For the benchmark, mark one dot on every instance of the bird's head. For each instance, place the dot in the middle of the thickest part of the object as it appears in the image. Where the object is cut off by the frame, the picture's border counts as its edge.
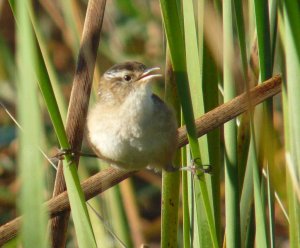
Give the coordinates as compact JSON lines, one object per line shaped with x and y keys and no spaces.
{"x":119,"y":80}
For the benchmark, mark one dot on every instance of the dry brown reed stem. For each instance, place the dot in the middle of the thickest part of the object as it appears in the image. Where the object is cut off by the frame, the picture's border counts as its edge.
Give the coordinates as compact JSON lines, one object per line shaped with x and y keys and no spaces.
{"x":233,"y":108}
{"x":105,"y":179}
{"x":78,"y":105}
{"x":132,"y":213}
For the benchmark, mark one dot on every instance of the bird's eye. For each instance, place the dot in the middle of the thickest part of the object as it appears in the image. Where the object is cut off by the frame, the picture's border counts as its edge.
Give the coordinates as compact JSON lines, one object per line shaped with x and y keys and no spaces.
{"x":127,"y":77}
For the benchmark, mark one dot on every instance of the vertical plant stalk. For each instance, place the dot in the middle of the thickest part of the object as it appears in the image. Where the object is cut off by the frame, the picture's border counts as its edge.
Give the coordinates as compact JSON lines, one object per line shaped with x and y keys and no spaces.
{"x":292,"y":114}
{"x":78,"y":105}
{"x":172,"y":24}
{"x":210,"y":78}
{"x":31,"y":171}
{"x":185,"y":204}
{"x":230,"y":136}
{"x":194,"y":62}
{"x":266,"y":65}
{"x":170,"y":181}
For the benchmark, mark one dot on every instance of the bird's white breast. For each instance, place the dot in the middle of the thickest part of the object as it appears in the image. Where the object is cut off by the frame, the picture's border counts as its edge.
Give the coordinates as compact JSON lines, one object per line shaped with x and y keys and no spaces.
{"x":118,"y":132}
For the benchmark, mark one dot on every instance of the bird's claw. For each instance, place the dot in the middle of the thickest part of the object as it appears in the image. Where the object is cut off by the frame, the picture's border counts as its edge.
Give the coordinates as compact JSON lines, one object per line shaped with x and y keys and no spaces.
{"x":207,"y":168}
{"x":195,"y":167}
{"x":62,"y":152}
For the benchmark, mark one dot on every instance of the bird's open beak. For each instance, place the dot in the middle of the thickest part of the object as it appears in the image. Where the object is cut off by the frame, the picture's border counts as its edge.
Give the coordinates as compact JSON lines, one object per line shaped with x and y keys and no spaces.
{"x":149,"y":74}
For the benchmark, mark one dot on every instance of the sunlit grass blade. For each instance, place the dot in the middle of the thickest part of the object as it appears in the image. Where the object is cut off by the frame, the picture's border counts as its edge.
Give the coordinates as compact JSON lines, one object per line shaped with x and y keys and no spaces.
{"x":101,"y":231}
{"x":230,"y":135}
{"x":293,"y":202}
{"x":292,"y":17}
{"x":271,"y":209}
{"x":81,"y":220}
{"x":294,"y":213}
{"x":173,"y":29}
{"x":30,"y":160}
{"x":293,"y":87}
{"x":85,"y":236}
{"x":185,"y":204}
{"x":292,"y":115}
{"x":199,"y":233}
{"x":83,"y":228}
{"x":261,"y":234}
{"x":50,"y":69}
{"x":194,"y":72}
{"x":272,"y":152}
{"x":44,"y":82}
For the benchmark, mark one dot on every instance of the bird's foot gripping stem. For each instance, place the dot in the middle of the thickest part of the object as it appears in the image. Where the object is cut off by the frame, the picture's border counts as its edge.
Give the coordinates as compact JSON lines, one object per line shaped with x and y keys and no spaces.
{"x":196,"y":167}
{"x":60,"y":155}
{"x":62,"y":152}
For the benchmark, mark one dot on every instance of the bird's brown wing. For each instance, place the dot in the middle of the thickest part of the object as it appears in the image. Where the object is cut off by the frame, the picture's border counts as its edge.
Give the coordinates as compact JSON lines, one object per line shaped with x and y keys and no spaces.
{"x":164,"y":112}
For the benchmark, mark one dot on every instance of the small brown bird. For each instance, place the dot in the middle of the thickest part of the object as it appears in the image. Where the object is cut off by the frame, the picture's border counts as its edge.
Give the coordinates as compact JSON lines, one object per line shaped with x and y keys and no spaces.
{"x":130,"y":127}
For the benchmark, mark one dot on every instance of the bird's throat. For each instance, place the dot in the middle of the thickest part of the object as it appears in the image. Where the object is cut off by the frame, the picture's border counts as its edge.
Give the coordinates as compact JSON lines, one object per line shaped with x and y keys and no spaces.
{"x":138,"y":104}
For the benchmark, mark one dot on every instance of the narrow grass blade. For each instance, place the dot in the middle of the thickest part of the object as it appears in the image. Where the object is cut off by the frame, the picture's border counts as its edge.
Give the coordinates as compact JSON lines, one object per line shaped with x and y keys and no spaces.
{"x":263,"y":38}
{"x":81,"y":220}
{"x":293,"y":203}
{"x":169,"y":210}
{"x":194,"y":71}
{"x":211,"y":99}
{"x":293,"y":87}
{"x":266,"y":65}
{"x":230,"y":135}
{"x":30,"y":161}
{"x":245,"y":171}
{"x":292,"y":115}
{"x":185,"y":204}
{"x":292,"y":17}
{"x":261,"y":234}
{"x":271,"y":209}
{"x":51,"y":73}
{"x":170,"y":181}
{"x":239,"y":17}
{"x":247,"y":206}
{"x":173,"y":29}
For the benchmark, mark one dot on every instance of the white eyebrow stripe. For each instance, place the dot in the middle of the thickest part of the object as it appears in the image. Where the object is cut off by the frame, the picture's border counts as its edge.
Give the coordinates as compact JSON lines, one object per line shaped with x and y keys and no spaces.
{"x":114,"y":74}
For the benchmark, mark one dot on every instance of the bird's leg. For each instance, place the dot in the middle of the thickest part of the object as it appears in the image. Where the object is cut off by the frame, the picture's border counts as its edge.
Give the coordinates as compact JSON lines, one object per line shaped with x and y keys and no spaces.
{"x":62,"y":152}
{"x":89,"y":155}
{"x":194,"y":168}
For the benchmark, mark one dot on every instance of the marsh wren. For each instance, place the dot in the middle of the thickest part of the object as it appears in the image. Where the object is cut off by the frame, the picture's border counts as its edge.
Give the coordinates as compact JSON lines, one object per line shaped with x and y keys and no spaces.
{"x":130,"y":127}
